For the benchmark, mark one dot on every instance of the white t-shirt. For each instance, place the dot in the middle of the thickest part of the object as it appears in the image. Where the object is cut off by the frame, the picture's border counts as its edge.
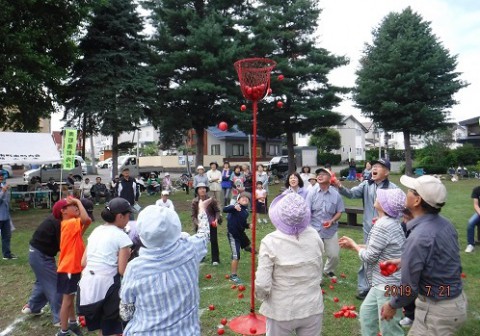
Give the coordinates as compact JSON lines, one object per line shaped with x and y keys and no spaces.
{"x":167,"y":204}
{"x":103,"y":246}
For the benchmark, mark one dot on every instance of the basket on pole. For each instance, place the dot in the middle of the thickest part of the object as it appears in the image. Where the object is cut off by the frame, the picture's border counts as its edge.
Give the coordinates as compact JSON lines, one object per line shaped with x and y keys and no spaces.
{"x":254,"y":76}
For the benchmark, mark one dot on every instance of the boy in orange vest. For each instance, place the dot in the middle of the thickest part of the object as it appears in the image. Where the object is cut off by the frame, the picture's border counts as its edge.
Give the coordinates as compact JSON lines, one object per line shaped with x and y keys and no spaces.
{"x":74,"y":221}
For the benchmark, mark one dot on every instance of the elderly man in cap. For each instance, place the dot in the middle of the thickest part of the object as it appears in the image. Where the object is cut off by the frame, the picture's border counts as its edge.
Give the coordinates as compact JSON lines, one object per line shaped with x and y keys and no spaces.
{"x":431,"y":263}
{"x":201,"y":177}
{"x":326,"y":206}
{"x":367,"y":191}
{"x":172,"y":259}
{"x":212,"y":211}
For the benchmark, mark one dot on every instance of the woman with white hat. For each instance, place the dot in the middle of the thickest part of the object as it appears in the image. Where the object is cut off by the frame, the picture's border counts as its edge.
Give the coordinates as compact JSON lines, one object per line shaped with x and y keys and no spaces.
{"x":291,"y":255}
{"x":201,"y":177}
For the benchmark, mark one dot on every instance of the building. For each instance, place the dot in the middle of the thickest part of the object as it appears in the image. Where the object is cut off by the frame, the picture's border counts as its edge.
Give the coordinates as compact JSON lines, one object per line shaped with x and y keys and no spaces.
{"x":352,"y":133}
{"x":235,"y":145}
{"x":471,"y":132}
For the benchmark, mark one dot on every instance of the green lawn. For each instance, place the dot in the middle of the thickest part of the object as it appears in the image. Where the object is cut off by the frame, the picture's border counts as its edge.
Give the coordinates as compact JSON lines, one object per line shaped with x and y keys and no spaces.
{"x":16,"y":276}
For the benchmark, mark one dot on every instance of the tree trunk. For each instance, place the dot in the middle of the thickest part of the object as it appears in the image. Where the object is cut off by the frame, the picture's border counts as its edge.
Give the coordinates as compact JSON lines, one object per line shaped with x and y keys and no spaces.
{"x":291,"y":152}
{"x":114,"y":155}
{"x":84,"y":134}
{"x":92,"y":149}
{"x":408,"y":153}
{"x":199,"y":154}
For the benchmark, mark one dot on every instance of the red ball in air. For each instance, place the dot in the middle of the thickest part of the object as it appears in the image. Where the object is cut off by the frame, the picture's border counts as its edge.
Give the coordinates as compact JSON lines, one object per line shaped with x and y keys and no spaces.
{"x":281,"y":77}
{"x":223,"y":126}
{"x":279,"y":104}
{"x":243,"y":108}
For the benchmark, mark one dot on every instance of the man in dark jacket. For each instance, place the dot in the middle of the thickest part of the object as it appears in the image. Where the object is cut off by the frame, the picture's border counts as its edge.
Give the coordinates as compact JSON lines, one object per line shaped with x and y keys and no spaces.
{"x":99,"y":190}
{"x":127,"y":189}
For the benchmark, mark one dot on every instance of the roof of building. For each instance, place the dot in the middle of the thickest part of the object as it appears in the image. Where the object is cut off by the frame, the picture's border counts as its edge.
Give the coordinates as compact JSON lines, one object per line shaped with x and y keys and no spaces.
{"x":365,"y":129}
{"x":234,"y":133}
{"x":470,"y":121}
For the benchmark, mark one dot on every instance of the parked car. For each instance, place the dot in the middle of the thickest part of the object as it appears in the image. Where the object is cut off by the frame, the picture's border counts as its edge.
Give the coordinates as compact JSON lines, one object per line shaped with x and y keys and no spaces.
{"x":8,"y":169}
{"x":107,"y":163}
{"x":278,"y":166}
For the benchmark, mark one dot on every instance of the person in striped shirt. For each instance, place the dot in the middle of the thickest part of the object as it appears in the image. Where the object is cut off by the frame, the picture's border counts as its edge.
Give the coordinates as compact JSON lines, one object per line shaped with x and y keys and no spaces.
{"x":384,"y":242}
{"x":160,"y":293}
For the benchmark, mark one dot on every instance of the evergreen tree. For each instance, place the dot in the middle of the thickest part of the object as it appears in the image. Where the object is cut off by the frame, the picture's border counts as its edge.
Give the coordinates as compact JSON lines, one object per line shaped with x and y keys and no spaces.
{"x":111,"y":85}
{"x":407,"y":78}
{"x":196,"y":43}
{"x":284,"y":31}
{"x":37,"y":48}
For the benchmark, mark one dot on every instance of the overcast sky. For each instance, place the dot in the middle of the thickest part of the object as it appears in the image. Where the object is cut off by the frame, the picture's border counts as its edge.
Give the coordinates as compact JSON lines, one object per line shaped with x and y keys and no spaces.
{"x":346,"y":25}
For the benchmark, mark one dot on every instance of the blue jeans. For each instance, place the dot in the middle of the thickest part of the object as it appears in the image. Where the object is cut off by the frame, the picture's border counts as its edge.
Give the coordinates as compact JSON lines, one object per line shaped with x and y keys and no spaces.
{"x":6,"y":232}
{"x":473,"y":221}
{"x":45,"y":286}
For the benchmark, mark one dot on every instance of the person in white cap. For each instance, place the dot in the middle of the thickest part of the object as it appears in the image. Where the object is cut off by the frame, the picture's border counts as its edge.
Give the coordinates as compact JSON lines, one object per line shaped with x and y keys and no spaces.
{"x":431,"y":263}
{"x":170,"y":258}
{"x":167,"y":182}
{"x":164,"y":201}
{"x":201,"y":177}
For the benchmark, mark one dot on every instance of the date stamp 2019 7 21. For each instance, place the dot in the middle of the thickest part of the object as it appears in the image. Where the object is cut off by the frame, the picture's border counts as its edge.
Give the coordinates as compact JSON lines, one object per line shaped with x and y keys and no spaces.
{"x":400,"y":290}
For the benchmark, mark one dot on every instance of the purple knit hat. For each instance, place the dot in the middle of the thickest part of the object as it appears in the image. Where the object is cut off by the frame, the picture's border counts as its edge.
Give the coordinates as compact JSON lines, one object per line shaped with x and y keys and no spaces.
{"x":290,"y":214}
{"x":392,"y":201}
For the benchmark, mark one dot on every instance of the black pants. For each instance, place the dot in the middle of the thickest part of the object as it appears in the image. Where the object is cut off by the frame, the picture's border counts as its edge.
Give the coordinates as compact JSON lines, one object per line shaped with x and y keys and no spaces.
{"x":214,"y":244}
{"x":410,"y":310}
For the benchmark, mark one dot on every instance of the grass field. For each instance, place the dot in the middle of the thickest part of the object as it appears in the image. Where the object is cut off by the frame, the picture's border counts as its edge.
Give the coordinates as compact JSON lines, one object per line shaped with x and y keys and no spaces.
{"x":16,"y":277}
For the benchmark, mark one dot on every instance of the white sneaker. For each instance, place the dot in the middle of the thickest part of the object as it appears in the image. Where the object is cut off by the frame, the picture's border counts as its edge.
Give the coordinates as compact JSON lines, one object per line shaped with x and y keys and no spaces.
{"x":27,"y":311}
{"x":214,"y":263}
{"x":259,"y":221}
{"x":469,"y":248}
{"x":265,"y":221}
{"x":406,"y":322}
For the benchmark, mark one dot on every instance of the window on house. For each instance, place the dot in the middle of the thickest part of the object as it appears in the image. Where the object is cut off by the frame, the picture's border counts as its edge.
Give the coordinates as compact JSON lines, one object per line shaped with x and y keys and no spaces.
{"x":237,"y":150}
{"x":359,"y":151}
{"x":273,"y":150}
{"x":215,"y":150}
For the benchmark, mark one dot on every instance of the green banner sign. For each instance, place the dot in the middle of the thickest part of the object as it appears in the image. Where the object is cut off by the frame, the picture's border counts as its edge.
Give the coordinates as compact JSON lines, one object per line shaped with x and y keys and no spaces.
{"x":69,"y":148}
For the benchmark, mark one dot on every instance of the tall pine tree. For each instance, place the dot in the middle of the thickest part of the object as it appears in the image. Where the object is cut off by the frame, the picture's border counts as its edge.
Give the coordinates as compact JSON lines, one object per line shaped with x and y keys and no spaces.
{"x":37,"y":49}
{"x":111,"y":85}
{"x":196,"y":43}
{"x":284,"y":31}
{"x":407,"y":78}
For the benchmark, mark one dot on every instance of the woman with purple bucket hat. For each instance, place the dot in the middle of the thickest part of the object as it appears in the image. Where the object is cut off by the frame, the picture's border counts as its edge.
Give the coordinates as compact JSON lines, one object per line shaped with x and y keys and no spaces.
{"x":289,"y":272}
{"x":384,"y":242}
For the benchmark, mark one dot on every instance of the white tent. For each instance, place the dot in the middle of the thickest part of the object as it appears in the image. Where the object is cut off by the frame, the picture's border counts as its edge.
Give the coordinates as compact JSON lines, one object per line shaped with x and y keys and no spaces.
{"x":27,"y":148}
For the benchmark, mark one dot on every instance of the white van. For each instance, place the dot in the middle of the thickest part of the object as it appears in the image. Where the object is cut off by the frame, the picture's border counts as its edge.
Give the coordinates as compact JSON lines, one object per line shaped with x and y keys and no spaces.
{"x":83,"y":164}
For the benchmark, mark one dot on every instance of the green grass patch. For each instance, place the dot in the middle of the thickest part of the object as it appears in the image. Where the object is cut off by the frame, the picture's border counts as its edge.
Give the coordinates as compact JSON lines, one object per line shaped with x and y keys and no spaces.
{"x":17,"y":278}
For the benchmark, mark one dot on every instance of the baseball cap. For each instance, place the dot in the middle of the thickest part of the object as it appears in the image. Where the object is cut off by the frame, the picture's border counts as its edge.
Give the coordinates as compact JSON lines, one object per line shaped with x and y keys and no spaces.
{"x":165,"y":192}
{"x":57,"y":208}
{"x":430,"y":189}
{"x":200,"y":167}
{"x":119,"y":205}
{"x":88,"y":205}
{"x":383,"y":162}
{"x":323,"y":169}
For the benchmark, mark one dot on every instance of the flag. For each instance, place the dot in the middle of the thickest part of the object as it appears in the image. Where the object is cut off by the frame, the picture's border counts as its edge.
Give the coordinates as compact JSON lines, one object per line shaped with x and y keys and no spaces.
{"x":69,"y":148}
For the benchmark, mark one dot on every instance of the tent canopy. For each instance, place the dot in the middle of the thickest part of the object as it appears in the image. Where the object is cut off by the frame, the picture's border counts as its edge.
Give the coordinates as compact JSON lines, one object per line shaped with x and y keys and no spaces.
{"x":27,"y":148}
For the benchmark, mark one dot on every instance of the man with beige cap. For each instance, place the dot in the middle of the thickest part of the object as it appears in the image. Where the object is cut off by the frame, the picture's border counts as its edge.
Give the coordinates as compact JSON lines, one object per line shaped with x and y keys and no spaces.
{"x":431,"y":263}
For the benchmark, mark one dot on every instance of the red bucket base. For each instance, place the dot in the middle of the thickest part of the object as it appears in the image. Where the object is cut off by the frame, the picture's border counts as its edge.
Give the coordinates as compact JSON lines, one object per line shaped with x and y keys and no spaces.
{"x":251,"y":324}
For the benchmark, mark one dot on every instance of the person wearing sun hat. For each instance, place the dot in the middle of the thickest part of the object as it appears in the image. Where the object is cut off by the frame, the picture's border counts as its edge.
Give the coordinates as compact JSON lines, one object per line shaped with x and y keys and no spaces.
{"x":292,"y":254}
{"x":367,"y":191}
{"x":384,"y":242}
{"x":201,"y":177}
{"x":430,"y":263}
{"x":214,"y":179}
{"x":171,"y":258}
